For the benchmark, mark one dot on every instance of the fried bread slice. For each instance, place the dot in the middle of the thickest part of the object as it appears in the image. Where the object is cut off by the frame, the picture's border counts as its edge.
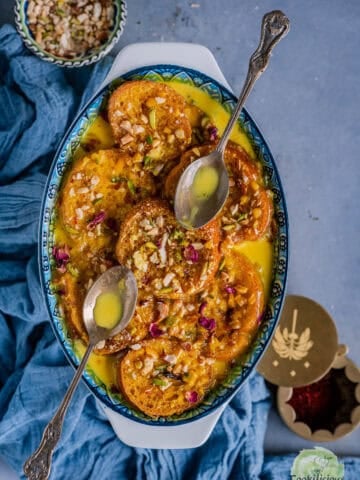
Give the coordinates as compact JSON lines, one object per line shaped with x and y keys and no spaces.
{"x":234,"y":302}
{"x":162,"y":378}
{"x":248,"y":211}
{"x":167,"y":260}
{"x":98,"y":192}
{"x":149,"y":118}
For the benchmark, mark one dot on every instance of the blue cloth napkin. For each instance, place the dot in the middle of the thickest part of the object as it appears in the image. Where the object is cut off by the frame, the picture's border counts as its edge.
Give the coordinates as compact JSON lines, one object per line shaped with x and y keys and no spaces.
{"x":37,"y":102}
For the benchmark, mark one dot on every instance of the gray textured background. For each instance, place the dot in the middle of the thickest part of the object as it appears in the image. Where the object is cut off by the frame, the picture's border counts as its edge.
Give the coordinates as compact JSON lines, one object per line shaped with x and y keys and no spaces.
{"x":307,"y":106}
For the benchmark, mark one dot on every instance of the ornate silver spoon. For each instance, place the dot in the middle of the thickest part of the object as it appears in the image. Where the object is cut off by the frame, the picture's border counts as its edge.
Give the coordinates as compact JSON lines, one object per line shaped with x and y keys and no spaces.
{"x":204,"y":185}
{"x":117,"y":286}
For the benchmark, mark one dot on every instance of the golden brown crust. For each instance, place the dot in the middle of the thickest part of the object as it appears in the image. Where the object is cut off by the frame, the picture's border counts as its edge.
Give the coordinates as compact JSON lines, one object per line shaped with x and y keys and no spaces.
{"x":167,"y":260}
{"x":162,"y":378}
{"x":247,"y":212}
{"x":72,"y":292}
{"x":235,"y":301}
{"x":149,"y":118}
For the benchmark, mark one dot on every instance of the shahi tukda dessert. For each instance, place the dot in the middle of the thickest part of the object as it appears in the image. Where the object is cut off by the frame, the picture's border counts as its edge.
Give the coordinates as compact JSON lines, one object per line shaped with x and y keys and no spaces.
{"x":201,"y":292}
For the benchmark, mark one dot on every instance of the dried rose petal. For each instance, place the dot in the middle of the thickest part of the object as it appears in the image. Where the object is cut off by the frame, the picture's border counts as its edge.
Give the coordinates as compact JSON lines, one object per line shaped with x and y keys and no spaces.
{"x":61,"y":257}
{"x":202,"y":308}
{"x":191,"y":254}
{"x":208,"y":323}
{"x":260,"y":318}
{"x":229,"y":289}
{"x":213,"y":133}
{"x":154,"y":330}
{"x":192,"y":397}
{"x":98,"y":218}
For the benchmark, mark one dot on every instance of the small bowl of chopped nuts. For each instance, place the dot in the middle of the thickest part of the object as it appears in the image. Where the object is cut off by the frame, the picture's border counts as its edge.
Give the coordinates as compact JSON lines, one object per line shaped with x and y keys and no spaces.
{"x":70,"y":33}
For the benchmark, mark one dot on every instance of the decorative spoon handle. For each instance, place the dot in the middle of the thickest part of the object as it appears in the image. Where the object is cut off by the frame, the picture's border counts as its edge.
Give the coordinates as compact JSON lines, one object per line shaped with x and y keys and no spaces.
{"x":38,"y":465}
{"x":275,"y":25}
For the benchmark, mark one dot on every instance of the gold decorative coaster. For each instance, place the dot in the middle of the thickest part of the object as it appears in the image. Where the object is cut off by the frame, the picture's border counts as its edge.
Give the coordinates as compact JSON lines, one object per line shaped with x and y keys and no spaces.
{"x":303,"y":347}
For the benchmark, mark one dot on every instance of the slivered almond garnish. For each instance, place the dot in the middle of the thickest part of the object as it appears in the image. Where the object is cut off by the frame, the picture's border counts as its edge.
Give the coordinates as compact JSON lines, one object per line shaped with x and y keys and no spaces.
{"x":148,"y":365}
{"x":79,"y":213}
{"x":89,"y":283}
{"x":144,"y":118}
{"x":160,"y":100}
{"x":179,"y":133}
{"x":145,"y":224}
{"x":160,"y":221}
{"x":171,"y":138}
{"x":83,"y":190}
{"x":163,"y":310}
{"x":154,"y":258}
{"x":126,"y":125}
{"x":234,"y":209}
{"x":170,"y":359}
{"x":168,"y":279}
{"x":153,"y":232}
{"x":197,"y":245}
{"x":162,"y":250}
{"x":140,"y":261}
{"x":156,"y":143}
{"x":126,"y":139}
{"x":138,"y":129}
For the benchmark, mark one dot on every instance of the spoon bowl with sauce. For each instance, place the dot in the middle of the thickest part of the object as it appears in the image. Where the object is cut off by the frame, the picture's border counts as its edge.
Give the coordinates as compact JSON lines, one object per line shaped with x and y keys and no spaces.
{"x":108,"y":308}
{"x":204,"y":185}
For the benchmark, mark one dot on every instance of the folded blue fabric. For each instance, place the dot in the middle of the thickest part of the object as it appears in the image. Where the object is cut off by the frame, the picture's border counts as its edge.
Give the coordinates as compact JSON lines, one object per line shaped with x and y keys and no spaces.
{"x":37,"y":101}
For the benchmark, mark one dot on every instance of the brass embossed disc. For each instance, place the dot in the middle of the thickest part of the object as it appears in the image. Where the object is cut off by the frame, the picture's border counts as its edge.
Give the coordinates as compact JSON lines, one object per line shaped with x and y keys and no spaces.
{"x":303,"y":347}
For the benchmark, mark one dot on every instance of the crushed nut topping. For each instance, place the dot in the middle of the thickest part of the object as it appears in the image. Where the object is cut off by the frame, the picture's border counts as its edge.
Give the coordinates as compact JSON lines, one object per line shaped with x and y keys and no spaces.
{"x":70,"y":29}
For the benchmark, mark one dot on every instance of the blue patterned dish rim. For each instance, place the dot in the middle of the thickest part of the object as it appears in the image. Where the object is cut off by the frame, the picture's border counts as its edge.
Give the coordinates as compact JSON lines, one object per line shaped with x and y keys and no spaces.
{"x":63,"y":158}
{"x":22,"y":27}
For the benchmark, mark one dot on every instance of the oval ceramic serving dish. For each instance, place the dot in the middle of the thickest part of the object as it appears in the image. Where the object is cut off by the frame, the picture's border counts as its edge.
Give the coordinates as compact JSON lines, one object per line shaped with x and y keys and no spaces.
{"x":63,"y":159}
{"x":22,"y":26}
